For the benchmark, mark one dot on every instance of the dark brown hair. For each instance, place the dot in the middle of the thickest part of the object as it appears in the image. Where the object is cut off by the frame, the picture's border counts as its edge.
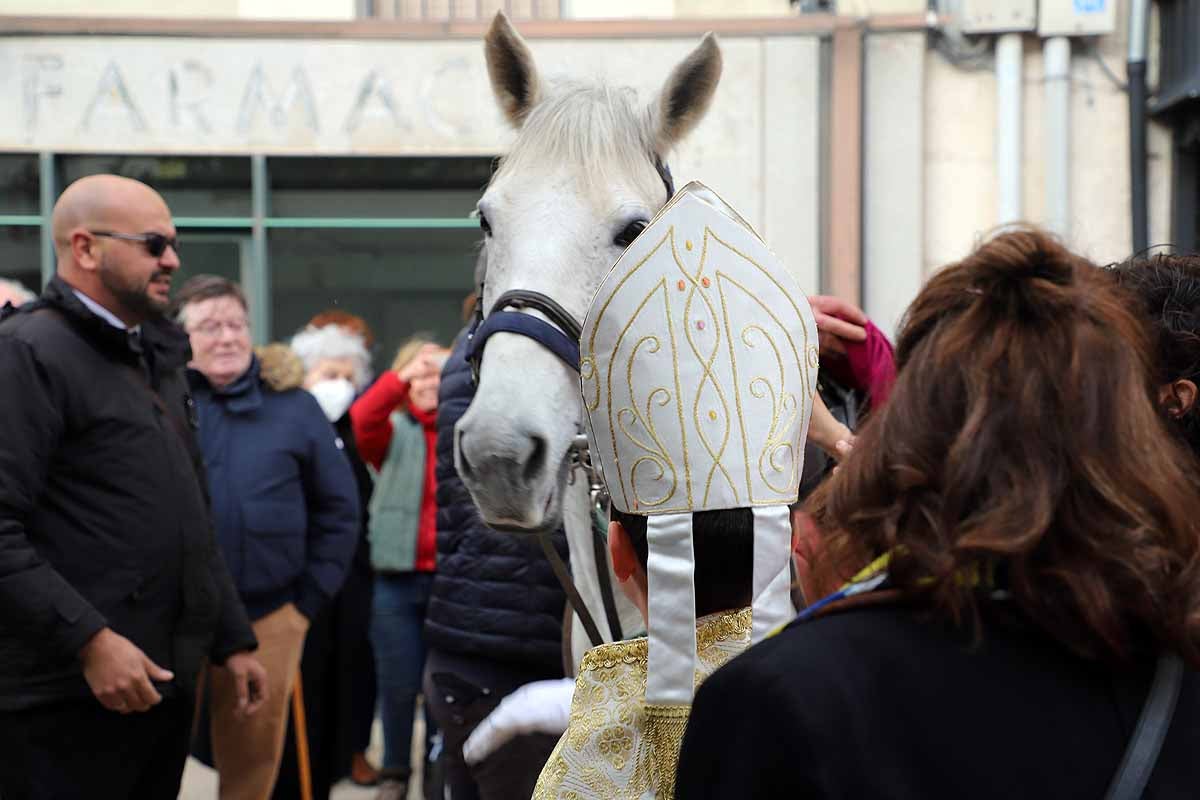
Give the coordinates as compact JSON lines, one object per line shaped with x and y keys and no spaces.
{"x":1168,"y":289}
{"x":723,"y":549}
{"x":205,"y":287}
{"x":1022,"y":435}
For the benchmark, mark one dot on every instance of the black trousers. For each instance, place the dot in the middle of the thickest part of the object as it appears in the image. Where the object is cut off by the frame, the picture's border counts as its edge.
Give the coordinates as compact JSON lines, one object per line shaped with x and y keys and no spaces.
{"x":81,"y":750}
{"x":460,"y":693}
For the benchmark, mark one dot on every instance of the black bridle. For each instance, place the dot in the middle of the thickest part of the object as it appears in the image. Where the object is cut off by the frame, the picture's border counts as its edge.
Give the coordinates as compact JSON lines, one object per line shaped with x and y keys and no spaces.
{"x":560,"y":335}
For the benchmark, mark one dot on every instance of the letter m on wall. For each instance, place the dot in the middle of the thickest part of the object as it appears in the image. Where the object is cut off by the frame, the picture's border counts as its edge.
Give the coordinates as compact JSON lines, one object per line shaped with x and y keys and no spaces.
{"x":259,"y":102}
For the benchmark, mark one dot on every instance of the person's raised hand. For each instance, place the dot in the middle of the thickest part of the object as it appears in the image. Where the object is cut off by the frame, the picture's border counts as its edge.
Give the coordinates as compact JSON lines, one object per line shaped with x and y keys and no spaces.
{"x":428,"y":361}
{"x":844,"y":448}
{"x":826,"y":432}
{"x":838,"y":318}
{"x":119,"y":674}
{"x":250,"y":682}
{"x":413,"y":370}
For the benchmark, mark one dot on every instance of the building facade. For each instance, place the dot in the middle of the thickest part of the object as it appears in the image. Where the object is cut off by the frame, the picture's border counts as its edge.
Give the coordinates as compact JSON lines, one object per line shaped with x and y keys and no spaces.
{"x":334,"y":157}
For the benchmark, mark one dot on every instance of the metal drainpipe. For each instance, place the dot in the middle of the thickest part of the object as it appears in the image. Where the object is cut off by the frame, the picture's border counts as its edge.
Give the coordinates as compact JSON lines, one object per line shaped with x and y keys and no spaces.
{"x":1139,"y":11}
{"x":1056,"y":60}
{"x":1009,"y":57}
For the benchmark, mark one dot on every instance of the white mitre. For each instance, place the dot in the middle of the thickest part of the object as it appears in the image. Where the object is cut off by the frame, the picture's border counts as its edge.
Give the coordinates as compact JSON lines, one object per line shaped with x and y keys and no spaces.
{"x":698,"y":363}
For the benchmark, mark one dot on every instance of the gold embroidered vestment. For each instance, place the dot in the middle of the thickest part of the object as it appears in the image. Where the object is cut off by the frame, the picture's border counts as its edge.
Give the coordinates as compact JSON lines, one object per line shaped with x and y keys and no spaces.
{"x":608,"y":752}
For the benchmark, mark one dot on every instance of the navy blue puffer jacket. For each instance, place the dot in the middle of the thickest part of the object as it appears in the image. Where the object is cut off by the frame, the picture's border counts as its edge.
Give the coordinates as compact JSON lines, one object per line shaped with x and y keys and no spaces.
{"x":494,"y":595}
{"x":285,"y":504}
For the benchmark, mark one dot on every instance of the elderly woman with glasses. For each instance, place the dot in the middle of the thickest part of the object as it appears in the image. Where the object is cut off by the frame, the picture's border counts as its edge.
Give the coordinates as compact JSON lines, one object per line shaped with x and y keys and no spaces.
{"x":286,"y":512}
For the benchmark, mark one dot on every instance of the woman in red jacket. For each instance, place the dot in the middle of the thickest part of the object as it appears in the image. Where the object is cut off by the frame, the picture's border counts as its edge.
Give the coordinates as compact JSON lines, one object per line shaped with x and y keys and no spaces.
{"x":395,"y":427}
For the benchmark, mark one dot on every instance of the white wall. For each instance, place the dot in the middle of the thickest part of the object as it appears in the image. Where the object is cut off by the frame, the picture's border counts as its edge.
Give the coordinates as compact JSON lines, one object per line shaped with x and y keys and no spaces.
{"x":225,"y":9}
{"x":733,"y":8}
{"x":122,"y":8}
{"x":864,"y":8}
{"x":642,"y":9}
{"x":345,"y":9}
{"x":893,"y":175}
{"x":297,"y":9}
{"x":618,"y":9}
{"x":960,"y":171}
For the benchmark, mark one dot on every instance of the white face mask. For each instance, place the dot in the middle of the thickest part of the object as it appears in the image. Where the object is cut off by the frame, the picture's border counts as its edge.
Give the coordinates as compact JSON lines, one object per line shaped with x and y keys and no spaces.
{"x":334,"y":397}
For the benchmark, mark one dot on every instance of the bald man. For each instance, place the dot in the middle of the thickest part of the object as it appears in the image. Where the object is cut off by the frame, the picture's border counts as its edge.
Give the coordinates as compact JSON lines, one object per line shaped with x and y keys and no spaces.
{"x":112,"y":591}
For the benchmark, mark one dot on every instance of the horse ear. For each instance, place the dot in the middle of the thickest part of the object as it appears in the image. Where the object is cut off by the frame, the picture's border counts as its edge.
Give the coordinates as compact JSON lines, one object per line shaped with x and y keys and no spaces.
{"x":687,"y":94}
{"x":511,"y":69}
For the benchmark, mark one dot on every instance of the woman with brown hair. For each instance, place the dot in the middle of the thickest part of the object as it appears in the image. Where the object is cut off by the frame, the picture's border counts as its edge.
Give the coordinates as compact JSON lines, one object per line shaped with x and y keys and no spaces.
{"x":1034,"y":530}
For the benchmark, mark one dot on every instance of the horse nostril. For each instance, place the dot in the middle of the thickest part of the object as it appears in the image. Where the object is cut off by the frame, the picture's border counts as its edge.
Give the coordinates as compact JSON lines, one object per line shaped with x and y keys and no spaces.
{"x":464,"y":464}
{"x":537,"y":456}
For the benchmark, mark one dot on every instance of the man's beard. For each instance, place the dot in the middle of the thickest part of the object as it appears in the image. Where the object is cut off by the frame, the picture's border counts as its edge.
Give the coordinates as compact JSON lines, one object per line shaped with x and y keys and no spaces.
{"x":133,"y":298}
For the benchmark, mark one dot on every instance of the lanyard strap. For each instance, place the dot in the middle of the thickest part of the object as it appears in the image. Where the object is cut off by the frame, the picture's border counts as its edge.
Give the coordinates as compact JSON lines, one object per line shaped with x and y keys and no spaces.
{"x":1142,"y":752}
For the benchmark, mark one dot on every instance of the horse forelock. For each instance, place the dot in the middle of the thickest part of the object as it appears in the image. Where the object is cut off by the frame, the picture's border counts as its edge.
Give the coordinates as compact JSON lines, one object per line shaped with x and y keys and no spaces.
{"x":600,"y":129}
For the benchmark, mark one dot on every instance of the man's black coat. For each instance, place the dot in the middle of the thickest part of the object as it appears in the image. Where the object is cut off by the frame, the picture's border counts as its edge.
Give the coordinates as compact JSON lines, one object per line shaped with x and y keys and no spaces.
{"x":104,"y":519}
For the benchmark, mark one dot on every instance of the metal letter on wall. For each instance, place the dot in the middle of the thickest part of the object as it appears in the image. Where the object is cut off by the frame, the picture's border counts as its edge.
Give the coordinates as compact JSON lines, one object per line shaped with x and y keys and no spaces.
{"x":375,"y":86}
{"x":189,"y":84}
{"x":36,"y":87}
{"x":258,"y":97}
{"x":112,"y":96}
{"x":440,"y":85}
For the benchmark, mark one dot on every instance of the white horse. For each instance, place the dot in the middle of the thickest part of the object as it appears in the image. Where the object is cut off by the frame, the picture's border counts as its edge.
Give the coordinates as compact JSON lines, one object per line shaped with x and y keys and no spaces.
{"x":579,"y":183}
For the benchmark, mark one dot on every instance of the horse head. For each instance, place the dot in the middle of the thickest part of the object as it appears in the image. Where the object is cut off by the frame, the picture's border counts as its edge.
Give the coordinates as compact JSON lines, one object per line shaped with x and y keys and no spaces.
{"x":582,"y":179}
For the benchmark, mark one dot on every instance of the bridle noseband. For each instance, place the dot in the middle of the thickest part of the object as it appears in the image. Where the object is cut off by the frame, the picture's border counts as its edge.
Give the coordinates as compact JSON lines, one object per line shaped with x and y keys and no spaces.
{"x":561,"y":337}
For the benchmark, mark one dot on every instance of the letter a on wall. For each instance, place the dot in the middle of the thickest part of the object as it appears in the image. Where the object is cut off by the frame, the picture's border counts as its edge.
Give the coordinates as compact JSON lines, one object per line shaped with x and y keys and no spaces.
{"x":112,"y":101}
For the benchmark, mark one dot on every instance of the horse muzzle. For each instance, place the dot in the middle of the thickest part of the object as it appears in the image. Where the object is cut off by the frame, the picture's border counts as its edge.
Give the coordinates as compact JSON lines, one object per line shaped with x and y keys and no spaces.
{"x":511,"y":474}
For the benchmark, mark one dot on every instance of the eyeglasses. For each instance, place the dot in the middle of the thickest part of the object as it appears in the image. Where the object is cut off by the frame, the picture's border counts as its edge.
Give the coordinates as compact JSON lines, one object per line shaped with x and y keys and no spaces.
{"x":212,"y":328}
{"x":156,"y":243}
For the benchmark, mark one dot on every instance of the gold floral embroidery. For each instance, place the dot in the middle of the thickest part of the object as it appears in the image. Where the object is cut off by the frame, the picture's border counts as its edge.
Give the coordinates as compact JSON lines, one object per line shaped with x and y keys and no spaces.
{"x":612,"y":750}
{"x":615,"y":745}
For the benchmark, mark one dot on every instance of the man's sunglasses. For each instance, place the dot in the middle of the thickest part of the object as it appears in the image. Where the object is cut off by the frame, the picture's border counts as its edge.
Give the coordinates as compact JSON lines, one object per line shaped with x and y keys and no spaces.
{"x":156,"y":243}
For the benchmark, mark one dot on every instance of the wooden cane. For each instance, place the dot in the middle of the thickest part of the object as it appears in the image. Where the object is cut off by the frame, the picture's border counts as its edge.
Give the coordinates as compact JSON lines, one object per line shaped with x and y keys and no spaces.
{"x":301,"y":727}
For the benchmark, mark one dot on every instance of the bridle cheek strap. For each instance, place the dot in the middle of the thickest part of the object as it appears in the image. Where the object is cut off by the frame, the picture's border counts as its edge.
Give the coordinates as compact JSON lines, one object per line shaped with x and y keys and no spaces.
{"x":542,"y":332}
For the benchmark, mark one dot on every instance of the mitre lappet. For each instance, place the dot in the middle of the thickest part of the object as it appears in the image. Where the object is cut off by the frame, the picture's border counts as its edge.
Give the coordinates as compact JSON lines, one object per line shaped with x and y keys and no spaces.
{"x":699,"y":364}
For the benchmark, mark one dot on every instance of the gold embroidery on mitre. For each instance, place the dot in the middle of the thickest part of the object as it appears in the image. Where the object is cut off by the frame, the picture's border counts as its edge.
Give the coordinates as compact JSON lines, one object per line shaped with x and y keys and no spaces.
{"x":743,"y":367}
{"x":783,"y":433}
{"x":589,"y":352}
{"x":653,"y":452}
{"x":708,"y":380}
{"x":587,"y":374}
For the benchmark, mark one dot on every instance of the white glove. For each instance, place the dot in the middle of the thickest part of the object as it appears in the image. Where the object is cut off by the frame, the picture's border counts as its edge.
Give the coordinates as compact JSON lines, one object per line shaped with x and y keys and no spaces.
{"x":538,"y":707}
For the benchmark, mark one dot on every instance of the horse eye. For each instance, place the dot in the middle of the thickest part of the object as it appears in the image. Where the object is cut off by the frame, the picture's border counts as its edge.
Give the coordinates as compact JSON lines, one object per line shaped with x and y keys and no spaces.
{"x":626,"y":237}
{"x":485,"y":226}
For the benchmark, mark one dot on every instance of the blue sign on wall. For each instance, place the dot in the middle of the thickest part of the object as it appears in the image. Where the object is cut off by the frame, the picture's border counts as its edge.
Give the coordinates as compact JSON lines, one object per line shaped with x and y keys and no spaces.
{"x":1090,"y":6}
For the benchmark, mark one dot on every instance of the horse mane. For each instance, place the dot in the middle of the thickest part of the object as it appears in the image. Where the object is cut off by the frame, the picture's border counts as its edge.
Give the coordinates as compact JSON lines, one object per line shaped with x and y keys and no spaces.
{"x":589,"y":124}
